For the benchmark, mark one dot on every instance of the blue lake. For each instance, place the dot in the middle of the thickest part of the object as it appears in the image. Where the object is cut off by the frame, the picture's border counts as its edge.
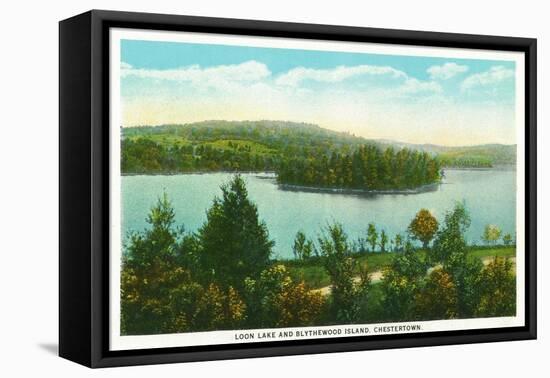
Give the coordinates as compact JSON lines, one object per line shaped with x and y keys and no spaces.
{"x":490,"y":196}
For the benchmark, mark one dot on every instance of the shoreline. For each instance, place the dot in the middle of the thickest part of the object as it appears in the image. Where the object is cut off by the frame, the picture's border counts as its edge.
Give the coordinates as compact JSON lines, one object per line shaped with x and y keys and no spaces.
{"x":313,"y":189}
{"x":299,"y":188}
{"x":269,"y":175}
{"x":194,"y":173}
{"x":510,"y":167}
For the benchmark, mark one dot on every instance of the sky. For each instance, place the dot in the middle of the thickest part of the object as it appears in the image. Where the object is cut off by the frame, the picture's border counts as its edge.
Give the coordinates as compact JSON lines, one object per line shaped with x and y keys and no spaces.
{"x":413,"y":99}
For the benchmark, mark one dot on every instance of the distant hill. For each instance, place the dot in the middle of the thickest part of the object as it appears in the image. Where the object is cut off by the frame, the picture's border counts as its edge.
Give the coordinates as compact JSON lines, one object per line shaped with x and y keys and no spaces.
{"x":270,"y":138}
{"x":489,"y":154}
{"x":269,"y":133}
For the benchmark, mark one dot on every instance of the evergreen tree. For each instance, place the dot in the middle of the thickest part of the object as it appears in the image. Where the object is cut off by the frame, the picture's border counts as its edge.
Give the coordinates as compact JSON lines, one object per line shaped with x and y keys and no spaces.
{"x":235,"y":244}
{"x":156,"y":264}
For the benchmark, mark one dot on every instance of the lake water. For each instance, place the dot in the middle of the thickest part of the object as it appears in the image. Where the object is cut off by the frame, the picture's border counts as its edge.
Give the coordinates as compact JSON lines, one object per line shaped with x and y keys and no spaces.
{"x":489,"y":196}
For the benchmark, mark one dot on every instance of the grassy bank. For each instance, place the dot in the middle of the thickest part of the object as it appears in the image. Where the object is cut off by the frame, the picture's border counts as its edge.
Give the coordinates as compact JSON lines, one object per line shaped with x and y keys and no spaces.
{"x":314,"y":274}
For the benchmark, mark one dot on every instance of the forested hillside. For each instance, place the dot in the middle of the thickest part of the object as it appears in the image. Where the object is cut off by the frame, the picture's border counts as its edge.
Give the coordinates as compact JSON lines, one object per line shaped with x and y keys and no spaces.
{"x":300,"y":154}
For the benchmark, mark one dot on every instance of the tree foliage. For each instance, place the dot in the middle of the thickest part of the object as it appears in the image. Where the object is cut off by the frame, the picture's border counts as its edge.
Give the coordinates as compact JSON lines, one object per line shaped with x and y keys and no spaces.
{"x":498,"y":289}
{"x":437,"y":298}
{"x":222,"y":277}
{"x":383,"y":241}
{"x":159,"y":293}
{"x":423,"y":227}
{"x":365,"y":167}
{"x":507,"y":239}
{"x":234,"y":243}
{"x":491,"y":234}
{"x":452,"y":252}
{"x":372,"y":236}
{"x":300,"y":154}
{"x":302,"y":248}
{"x":275,"y":300}
{"x":401,"y":283}
{"x":347,"y":291}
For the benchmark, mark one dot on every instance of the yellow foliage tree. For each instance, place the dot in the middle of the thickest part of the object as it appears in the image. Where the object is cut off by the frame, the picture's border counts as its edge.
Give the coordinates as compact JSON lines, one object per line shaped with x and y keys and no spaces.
{"x":438,"y":297}
{"x":423,"y":227}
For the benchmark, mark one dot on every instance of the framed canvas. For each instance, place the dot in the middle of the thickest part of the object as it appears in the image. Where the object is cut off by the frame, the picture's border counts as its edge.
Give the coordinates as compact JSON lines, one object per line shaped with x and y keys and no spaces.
{"x":235,"y":188}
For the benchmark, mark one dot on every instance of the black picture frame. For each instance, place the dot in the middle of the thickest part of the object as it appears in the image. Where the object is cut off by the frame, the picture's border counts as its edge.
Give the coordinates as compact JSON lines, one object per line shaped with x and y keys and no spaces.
{"x":84,"y":186}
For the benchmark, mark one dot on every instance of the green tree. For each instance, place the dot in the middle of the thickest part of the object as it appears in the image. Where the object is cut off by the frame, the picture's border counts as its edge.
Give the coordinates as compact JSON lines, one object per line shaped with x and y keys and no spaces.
{"x":423,"y":227}
{"x":398,"y":243}
{"x":275,"y":300}
{"x":148,"y":269}
{"x":507,"y":239}
{"x":158,"y":293}
{"x":452,"y":252}
{"x":491,"y":234}
{"x":498,"y":289}
{"x":234,"y":243}
{"x":401,"y":282}
{"x":346,"y":291}
{"x":383,"y":241}
{"x":302,"y":247}
{"x":372,"y":236}
{"x":450,"y":246}
{"x":437,"y":298}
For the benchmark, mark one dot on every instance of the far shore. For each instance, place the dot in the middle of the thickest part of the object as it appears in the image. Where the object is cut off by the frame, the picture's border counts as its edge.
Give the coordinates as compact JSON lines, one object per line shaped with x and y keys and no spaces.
{"x":504,"y":167}
{"x":300,"y":188}
{"x":179,"y":173}
{"x":316,"y":189}
{"x":202,"y":172}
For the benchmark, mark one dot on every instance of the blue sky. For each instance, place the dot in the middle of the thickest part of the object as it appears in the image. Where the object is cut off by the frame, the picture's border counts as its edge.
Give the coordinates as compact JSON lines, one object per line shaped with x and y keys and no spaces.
{"x":412,"y":99}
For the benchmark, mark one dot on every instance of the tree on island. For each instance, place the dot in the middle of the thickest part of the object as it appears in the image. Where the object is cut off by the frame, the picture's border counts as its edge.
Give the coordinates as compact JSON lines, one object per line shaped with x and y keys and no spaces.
{"x":234,"y":243}
{"x":423,"y":227}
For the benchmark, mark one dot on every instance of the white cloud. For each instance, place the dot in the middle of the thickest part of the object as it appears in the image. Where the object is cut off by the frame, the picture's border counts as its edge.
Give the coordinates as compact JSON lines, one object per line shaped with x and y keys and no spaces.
{"x":247,"y":72}
{"x":446,"y":71}
{"x":125,"y":66}
{"x":494,"y":75}
{"x":296,"y":75}
{"x":415,"y":86}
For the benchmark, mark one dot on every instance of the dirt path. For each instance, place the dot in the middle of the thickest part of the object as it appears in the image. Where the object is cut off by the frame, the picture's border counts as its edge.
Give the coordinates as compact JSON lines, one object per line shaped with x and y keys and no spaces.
{"x":377,"y":276}
{"x":374,"y":277}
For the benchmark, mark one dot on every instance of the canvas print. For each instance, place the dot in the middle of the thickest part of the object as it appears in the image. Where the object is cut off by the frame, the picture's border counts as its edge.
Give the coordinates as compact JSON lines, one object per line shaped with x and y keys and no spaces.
{"x":279,"y":190}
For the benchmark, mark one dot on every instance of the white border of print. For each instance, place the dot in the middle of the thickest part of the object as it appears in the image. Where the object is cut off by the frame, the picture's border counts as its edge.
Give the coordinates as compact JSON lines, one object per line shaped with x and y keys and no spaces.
{"x":118,"y":342}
